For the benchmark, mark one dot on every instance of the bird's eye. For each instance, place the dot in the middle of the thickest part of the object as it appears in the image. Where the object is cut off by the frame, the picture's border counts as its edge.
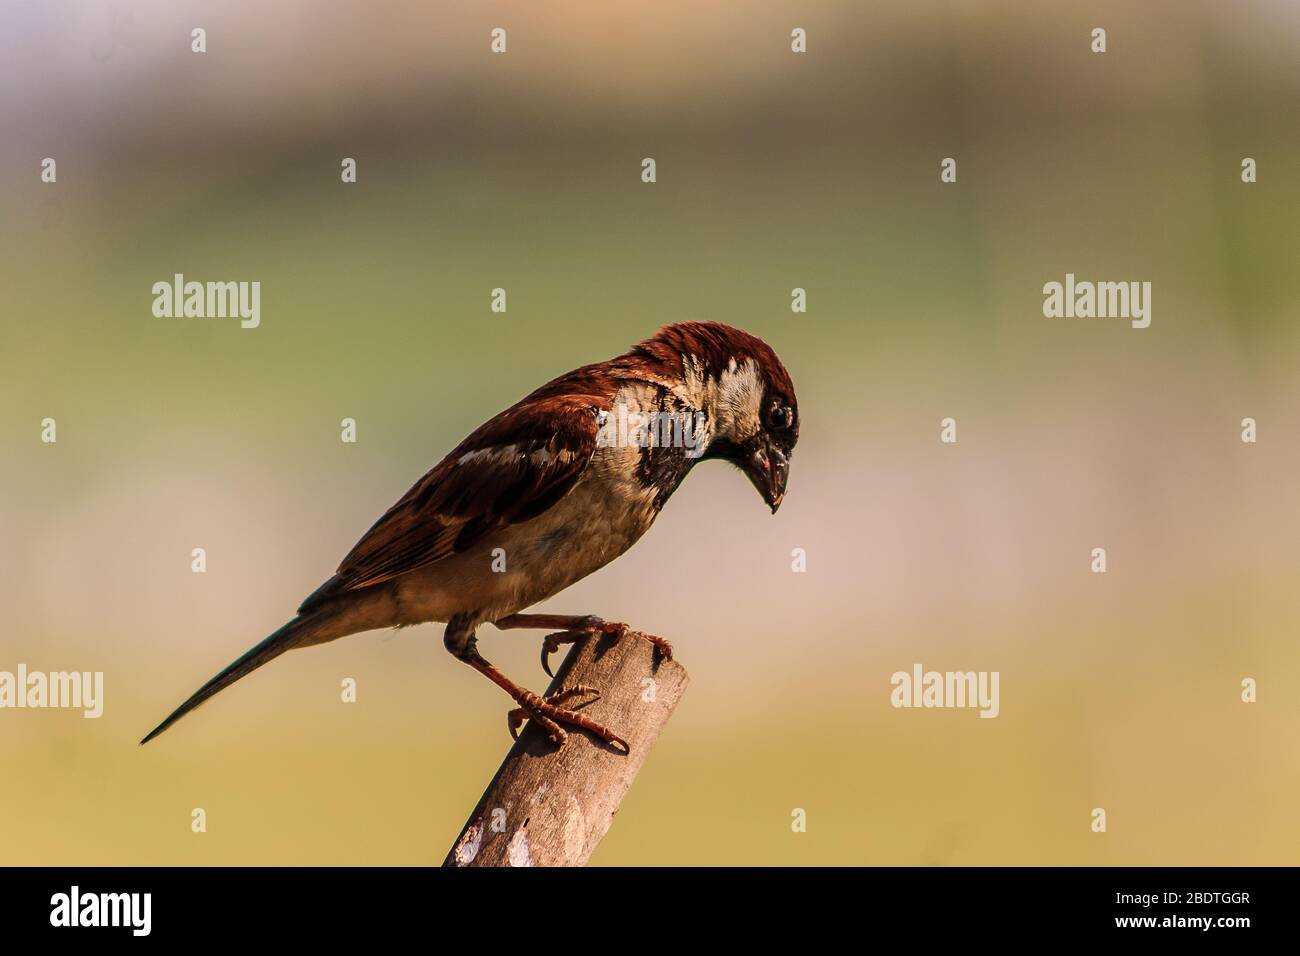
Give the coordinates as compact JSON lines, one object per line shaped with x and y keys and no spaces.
{"x":779,"y":417}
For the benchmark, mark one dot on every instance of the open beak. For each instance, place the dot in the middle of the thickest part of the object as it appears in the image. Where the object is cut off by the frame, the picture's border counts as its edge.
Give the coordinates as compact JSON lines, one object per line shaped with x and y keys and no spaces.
{"x":768,"y":469}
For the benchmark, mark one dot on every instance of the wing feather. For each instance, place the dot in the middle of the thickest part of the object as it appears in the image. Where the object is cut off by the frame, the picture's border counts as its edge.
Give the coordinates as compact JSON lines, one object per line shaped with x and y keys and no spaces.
{"x":511,"y":469}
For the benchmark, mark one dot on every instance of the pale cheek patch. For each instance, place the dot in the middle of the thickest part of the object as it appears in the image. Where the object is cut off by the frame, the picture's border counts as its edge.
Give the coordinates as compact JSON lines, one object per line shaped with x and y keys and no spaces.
{"x":738,"y":402}
{"x":732,"y":402}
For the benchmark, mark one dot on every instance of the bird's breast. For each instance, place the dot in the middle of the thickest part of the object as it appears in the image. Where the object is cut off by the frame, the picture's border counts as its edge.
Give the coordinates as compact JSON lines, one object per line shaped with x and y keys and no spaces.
{"x":613,"y":503}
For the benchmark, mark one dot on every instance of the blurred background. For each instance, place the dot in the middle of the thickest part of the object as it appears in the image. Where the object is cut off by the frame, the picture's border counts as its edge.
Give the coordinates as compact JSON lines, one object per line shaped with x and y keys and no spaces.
{"x":775,"y":171}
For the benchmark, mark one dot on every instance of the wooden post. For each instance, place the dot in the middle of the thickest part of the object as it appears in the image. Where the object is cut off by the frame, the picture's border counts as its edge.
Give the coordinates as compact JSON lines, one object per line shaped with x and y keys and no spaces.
{"x":549,"y":806}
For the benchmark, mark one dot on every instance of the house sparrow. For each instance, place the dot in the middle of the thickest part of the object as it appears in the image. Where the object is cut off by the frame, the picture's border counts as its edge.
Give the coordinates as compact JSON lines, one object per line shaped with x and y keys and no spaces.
{"x":545,"y":493}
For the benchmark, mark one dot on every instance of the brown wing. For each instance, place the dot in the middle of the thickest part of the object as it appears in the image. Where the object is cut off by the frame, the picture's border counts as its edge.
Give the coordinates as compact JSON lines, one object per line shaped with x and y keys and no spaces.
{"x":510,"y":469}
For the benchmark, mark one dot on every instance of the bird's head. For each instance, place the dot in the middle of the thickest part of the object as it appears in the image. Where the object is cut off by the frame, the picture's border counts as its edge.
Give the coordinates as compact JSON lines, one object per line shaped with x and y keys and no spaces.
{"x":746,"y":395}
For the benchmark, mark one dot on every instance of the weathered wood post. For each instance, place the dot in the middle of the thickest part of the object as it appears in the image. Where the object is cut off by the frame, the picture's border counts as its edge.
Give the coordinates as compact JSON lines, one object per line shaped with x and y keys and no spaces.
{"x":549,"y":807}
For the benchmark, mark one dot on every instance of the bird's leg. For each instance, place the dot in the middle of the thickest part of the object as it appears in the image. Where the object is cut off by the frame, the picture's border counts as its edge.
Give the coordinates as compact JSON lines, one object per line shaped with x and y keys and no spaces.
{"x":576,"y":627}
{"x":547,"y":711}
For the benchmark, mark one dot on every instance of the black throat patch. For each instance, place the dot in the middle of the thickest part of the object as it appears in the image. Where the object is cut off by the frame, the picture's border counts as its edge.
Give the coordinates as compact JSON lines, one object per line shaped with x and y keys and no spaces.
{"x":665,"y":462}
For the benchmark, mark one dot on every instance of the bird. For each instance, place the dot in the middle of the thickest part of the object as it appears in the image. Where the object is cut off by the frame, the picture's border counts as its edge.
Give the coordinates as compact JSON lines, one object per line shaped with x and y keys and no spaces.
{"x":545,"y":493}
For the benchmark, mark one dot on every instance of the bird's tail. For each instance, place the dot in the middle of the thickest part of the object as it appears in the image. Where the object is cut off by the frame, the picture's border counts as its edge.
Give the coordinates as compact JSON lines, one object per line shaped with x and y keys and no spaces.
{"x":297,"y":632}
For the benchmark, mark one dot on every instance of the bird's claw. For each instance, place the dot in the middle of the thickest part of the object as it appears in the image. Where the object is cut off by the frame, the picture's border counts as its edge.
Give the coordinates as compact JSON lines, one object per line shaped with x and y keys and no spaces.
{"x":619,"y":631}
{"x":662,"y":647}
{"x":550,"y":715}
{"x":551,"y":643}
{"x":592,"y":626}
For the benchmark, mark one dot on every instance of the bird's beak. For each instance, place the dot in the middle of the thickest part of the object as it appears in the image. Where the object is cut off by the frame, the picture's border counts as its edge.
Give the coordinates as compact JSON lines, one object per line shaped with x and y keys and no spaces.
{"x":768,"y":469}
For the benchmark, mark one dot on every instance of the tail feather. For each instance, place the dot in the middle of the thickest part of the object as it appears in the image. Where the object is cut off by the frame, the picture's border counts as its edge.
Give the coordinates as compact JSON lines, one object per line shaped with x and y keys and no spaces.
{"x":282,"y":640}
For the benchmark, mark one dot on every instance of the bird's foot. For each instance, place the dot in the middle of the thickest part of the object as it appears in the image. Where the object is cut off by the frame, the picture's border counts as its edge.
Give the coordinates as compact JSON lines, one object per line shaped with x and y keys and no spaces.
{"x":618,"y":631}
{"x":550,"y":715}
{"x":592,"y":625}
{"x":551,"y":643}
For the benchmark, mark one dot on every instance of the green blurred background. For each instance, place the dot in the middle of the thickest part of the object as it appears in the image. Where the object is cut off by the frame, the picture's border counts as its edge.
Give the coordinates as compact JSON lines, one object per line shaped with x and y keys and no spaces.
{"x":775,"y":170}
